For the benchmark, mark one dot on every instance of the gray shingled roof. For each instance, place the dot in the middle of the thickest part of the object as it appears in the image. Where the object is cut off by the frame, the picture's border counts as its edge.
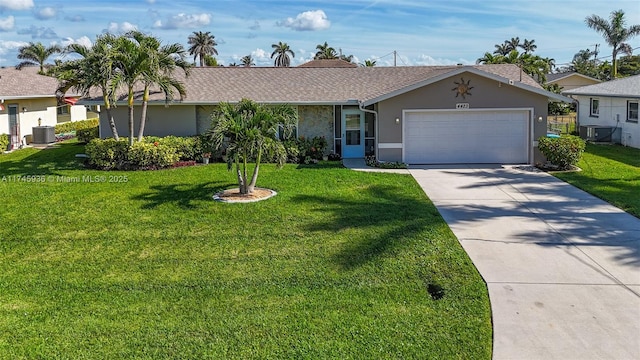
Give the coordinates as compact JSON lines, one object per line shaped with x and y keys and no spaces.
{"x":296,"y":85}
{"x":625,"y":87}
{"x":557,"y":76}
{"x":26,"y":83}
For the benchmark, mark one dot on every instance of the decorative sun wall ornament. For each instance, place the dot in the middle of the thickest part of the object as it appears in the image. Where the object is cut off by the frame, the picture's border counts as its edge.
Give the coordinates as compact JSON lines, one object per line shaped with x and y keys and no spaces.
{"x":462,"y":88}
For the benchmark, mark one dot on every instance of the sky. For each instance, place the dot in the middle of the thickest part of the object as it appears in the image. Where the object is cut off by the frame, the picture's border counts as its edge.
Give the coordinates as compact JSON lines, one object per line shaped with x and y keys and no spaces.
{"x":418,"y":32}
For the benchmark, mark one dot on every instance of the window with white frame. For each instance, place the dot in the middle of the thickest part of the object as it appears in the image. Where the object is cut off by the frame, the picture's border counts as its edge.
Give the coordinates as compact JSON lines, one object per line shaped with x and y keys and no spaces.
{"x":632,"y":111}
{"x":594,"y":106}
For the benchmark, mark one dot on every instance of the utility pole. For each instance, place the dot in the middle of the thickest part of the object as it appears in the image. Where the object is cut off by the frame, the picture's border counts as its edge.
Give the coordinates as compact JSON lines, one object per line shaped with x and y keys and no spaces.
{"x":595,"y":53}
{"x":395,"y":55}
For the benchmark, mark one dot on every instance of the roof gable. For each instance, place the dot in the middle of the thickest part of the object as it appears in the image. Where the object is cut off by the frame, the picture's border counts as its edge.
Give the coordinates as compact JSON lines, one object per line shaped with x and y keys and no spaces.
{"x":624,"y":87}
{"x":554,"y":78}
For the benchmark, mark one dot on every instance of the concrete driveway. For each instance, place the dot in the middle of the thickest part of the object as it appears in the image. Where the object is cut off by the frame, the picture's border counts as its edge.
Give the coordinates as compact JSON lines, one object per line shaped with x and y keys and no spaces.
{"x":562,"y":267}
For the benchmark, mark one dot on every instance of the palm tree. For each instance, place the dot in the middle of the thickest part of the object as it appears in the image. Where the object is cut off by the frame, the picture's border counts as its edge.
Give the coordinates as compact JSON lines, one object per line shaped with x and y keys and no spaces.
{"x":489,"y":58}
{"x":202,"y":44}
{"x":325,"y":52}
{"x":528,"y":46}
{"x":614,"y":33}
{"x":247,"y":131}
{"x":512,"y":44}
{"x":158,"y":67}
{"x":247,"y":61}
{"x":95,"y":69}
{"x":501,"y":49}
{"x":368,"y":63}
{"x":36,"y":54}
{"x":282,"y":50}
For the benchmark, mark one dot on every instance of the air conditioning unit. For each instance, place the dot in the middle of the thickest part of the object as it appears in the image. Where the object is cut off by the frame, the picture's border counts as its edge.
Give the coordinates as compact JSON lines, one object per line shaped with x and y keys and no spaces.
{"x":44,"y":134}
{"x":597,"y":133}
{"x":626,"y":138}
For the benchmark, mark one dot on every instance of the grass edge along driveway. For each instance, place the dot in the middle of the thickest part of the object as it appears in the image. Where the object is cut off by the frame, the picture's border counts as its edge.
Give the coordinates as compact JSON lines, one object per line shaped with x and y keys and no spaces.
{"x":337,"y":265}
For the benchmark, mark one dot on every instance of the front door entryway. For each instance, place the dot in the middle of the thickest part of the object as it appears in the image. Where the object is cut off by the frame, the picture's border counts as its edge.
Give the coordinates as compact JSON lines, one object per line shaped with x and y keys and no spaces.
{"x":14,"y":127}
{"x":353,"y":134}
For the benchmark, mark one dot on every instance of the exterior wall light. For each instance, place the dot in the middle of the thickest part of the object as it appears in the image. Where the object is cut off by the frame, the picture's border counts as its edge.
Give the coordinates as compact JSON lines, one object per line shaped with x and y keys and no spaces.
{"x":24,"y":109}
{"x":539,"y":119}
{"x":397,"y":120}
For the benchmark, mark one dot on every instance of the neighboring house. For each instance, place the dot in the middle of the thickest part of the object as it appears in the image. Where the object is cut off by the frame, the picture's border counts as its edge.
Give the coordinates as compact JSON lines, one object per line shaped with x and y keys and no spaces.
{"x":609,"y":111}
{"x":328,"y":63}
{"x":570,"y":80}
{"x":417,"y":115}
{"x":28,"y":99}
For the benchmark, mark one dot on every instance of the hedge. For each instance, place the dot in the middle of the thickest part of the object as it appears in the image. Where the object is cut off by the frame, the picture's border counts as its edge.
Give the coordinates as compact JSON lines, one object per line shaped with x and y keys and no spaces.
{"x":563,"y":152}
{"x":4,"y":142}
{"x":72,"y":126}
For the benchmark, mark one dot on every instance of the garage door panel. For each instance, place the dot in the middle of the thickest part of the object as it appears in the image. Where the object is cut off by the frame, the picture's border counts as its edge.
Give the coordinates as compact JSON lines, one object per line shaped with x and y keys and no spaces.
{"x":466,"y":137}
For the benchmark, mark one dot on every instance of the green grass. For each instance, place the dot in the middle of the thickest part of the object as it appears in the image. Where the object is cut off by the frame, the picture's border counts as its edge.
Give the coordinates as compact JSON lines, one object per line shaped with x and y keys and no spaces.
{"x":336,"y":266}
{"x":610,"y":172}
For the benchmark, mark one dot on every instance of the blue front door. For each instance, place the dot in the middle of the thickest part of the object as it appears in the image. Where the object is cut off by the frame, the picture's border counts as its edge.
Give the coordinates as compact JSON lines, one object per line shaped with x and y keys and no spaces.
{"x":352,"y":134}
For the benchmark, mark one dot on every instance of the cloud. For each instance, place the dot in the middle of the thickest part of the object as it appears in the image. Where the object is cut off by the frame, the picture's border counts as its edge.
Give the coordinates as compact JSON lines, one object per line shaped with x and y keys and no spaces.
{"x":307,"y":21}
{"x":75,"y":18}
{"x":6,"y":46}
{"x":7,"y":23}
{"x":45,"y":13}
{"x":38,"y":32}
{"x":16,"y":4}
{"x":82,"y":41}
{"x":115,"y":28}
{"x":255,"y":26}
{"x":184,"y":21}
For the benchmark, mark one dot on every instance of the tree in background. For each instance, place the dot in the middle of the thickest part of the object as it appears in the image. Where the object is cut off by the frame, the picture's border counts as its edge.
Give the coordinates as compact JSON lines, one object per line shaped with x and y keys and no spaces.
{"x":614,"y":33}
{"x":247,"y":61}
{"x":36,"y":54}
{"x":282,"y":51}
{"x":368,"y":63}
{"x":534,"y":65}
{"x":247,"y":131}
{"x":201,"y":45}
{"x":210,"y":61}
{"x":325,"y":52}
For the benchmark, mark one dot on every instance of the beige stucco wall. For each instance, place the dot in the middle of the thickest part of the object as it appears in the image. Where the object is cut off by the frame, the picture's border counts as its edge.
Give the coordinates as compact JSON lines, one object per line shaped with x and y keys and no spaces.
{"x":574,"y":81}
{"x":179,"y":120}
{"x":44,"y":109}
{"x":316,"y":121}
{"x":486,"y":94}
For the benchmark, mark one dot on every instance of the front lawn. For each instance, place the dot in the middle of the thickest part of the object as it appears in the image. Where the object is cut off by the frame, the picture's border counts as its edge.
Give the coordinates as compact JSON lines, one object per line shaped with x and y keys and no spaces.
{"x":339,"y":265}
{"x":610,"y":172}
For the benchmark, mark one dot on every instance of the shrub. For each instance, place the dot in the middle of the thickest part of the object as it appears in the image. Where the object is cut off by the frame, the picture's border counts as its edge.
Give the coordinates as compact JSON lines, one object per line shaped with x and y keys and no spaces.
{"x":373,"y":162}
{"x":563,"y":152}
{"x":73,"y":126}
{"x":311,"y":148}
{"x":143,"y":155}
{"x":4,"y":142}
{"x":107,"y":154}
{"x":184,"y":147}
{"x":88,"y":134}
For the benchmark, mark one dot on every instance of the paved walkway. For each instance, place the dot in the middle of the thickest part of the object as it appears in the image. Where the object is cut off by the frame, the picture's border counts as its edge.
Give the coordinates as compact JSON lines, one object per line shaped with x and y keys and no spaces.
{"x":562,"y":267}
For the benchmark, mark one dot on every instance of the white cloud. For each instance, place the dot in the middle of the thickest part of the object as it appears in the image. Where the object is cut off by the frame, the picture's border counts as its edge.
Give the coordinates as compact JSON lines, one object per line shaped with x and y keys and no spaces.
{"x":46,"y":13}
{"x":82,"y":41}
{"x":75,"y":18}
{"x":307,"y":21}
{"x":6,"y":46}
{"x":7,"y":23}
{"x":184,"y":21}
{"x":16,"y":4}
{"x":116,"y":28}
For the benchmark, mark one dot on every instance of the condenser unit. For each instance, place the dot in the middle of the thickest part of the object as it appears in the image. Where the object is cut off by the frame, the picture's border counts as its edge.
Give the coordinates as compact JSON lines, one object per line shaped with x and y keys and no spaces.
{"x":597,"y":133}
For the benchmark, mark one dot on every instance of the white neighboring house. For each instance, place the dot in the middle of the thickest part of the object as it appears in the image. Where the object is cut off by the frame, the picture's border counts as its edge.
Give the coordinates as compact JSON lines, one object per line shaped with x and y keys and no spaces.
{"x":28,"y":99}
{"x":610,"y":108}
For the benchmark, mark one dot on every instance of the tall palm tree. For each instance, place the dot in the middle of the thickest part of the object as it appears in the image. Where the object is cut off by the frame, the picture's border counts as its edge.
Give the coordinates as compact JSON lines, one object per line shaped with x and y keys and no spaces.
{"x":325,"y":52}
{"x":614,"y":33}
{"x":94,"y":69}
{"x":36,"y":54}
{"x":282,"y":50}
{"x":489,"y":58}
{"x":158,"y":68}
{"x":202,"y":44}
{"x":529,"y":46}
{"x":248,"y":130}
{"x":247,"y":61}
{"x":501,"y":49}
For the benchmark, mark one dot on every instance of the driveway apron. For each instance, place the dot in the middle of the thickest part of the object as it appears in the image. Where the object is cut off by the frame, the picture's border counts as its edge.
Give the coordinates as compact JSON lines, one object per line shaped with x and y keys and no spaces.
{"x":562,"y":267}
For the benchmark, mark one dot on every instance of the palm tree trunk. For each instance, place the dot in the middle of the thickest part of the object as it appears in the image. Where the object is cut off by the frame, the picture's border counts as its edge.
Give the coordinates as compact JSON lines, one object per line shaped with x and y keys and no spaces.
{"x":143,"y":115}
{"x":254,"y":177}
{"x":131,"y":122}
{"x":112,"y":122}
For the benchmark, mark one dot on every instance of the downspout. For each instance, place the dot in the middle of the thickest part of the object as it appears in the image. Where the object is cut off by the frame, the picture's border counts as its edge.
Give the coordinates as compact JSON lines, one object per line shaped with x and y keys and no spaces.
{"x":577,"y":113}
{"x":375,"y":119}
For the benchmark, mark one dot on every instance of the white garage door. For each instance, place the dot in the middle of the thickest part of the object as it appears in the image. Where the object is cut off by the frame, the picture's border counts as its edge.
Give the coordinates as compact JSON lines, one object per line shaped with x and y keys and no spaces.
{"x":466,"y":137}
